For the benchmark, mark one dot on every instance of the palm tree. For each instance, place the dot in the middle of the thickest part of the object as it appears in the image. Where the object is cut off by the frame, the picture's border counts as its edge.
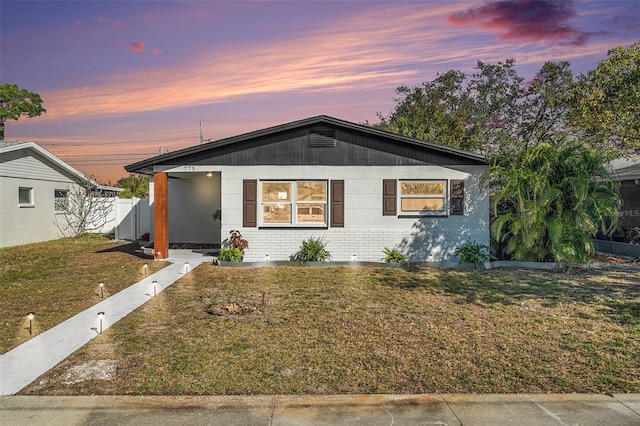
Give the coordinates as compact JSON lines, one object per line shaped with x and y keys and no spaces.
{"x":134,"y":186}
{"x":549,"y":200}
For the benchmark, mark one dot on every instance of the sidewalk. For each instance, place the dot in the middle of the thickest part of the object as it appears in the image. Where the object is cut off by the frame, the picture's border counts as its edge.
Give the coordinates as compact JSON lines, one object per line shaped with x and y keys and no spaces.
{"x":25,"y":363}
{"x":366,"y":410}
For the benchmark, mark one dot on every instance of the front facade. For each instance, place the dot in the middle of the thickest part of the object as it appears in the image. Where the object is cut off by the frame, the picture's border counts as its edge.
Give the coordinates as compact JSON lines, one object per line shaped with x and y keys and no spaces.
{"x":34,"y":185}
{"x":359,"y":189}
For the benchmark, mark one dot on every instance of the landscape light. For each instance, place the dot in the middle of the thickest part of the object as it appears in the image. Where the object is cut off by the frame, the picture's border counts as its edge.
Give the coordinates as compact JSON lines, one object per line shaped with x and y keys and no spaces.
{"x":186,"y":267}
{"x":266,"y":257}
{"x":101,"y":290}
{"x":354,"y":257}
{"x":155,"y":283}
{"x":100,"y":317}
{"x":30,"y":316}
{"x":144,"y":267}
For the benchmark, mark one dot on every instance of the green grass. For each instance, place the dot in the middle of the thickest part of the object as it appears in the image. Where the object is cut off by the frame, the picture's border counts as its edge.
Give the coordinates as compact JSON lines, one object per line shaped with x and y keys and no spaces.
{"x":373,"y":330}
{"x":57,"y":279}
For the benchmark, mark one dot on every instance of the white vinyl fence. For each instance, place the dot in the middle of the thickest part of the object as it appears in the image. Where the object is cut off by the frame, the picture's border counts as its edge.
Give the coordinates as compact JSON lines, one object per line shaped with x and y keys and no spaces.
{"x":128,"y":219}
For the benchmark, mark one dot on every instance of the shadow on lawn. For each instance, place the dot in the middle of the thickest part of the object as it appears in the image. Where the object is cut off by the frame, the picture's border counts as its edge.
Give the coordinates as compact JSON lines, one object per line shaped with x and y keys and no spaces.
{"x":129,"y":248}
{"x":615,"y":291}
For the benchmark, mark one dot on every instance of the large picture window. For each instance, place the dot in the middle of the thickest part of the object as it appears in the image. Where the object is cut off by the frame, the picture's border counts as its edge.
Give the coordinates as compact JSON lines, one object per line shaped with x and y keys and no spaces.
{"x":294,"y":203}
{"x":423,"y":196}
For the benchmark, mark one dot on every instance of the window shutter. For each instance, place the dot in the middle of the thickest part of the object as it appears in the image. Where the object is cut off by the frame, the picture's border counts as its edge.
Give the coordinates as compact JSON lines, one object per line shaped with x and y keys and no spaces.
{"x":389,"y":197}
{"x":337,"y":204}
{"x":456,"y":204}
{"x":249,"y":203}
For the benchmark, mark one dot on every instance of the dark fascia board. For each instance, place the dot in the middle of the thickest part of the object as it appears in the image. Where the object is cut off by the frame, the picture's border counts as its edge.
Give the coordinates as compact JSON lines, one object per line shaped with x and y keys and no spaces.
{"x":145,"y":166}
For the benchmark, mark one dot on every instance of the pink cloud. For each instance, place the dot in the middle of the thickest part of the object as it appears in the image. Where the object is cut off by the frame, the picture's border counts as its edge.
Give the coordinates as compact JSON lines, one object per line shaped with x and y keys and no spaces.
{"x":157,"y":50}
{"x":136,"y":47}
{"x":529,"y":20}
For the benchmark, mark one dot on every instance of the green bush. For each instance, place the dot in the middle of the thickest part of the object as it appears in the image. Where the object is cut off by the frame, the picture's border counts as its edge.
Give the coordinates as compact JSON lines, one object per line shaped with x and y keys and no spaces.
{"x":472,"y":253}
{"x":230,"y":254}
{"x":393,"y":256}
{"x":312,"y":250}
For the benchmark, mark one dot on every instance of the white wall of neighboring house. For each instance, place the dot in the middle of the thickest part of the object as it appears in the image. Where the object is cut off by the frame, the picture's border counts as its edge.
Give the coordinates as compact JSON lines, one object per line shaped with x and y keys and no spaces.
{"x":34,"y":223}
{"x":26,"y":165}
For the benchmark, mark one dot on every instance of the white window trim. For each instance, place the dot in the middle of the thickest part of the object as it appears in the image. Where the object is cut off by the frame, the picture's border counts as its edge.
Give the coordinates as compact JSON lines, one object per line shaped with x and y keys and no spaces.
{"x":294,"y":204}
{"x":445,"y":198}
{"x":31,"y":202}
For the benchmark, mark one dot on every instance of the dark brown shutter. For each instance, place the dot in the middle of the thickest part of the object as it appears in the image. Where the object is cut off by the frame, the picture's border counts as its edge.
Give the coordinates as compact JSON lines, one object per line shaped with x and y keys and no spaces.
{"x":389,"y":197}
{"x":249,"y":203}
{"x":456,"y":204}
{"x":337,"y":204}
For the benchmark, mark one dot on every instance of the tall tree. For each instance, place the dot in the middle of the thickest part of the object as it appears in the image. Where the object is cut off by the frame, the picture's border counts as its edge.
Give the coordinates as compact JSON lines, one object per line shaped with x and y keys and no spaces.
{"x":16,"y":102}
{"x":606,"y":103}
{"x":489,"y":110}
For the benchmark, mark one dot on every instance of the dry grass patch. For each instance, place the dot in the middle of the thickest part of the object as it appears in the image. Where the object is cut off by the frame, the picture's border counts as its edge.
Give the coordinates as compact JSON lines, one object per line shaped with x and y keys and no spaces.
{"x":372,"y":330}
{"x":57,"y":279}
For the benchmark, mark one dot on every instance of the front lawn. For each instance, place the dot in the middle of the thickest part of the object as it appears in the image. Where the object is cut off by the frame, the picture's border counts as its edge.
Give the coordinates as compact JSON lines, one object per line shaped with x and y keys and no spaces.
{"x":342,"y":330}
{"x":57,"y":279}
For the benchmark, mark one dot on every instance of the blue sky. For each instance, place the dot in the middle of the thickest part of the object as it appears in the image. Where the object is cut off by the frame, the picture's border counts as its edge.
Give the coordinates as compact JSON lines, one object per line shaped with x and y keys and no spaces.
{"x":121,"y":79}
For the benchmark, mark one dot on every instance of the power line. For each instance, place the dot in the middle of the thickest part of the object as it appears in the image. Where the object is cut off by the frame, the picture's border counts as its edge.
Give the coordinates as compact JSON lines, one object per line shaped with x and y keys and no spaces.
{"x":113,"y":143}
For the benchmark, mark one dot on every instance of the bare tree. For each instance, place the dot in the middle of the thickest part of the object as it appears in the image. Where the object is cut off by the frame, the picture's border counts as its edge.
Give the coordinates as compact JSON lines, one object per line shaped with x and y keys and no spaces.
{"x":84,"y":208}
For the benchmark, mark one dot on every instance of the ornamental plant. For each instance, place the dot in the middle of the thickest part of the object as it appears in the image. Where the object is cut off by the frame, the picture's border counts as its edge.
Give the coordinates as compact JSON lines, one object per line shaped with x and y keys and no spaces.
{"x":472,"y":253}
{"x":230,"y":254}
{"x":394,"y":256}
{"x":312,"y":250}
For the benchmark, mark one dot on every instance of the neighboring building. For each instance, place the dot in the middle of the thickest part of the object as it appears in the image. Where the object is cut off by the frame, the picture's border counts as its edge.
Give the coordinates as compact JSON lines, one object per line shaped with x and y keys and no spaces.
{"x":34,"y":184}
{"x":358,"y":188}
{"x":627,"y":172}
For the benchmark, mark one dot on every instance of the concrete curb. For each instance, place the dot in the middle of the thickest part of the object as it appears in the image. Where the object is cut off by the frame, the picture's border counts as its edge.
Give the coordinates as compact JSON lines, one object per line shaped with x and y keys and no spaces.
{"x":366,"y":410}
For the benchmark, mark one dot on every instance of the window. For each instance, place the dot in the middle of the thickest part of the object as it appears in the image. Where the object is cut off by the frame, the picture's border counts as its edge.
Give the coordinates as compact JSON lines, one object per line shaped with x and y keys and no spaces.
{"x":422,"y":196}
{"x":295,"y":203}
{"x":25,"y":197}
{"x":61,"y":200}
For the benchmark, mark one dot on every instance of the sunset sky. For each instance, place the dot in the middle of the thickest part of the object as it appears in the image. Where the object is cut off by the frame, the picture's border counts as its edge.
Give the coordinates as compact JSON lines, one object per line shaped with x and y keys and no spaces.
{"x":122,"y":79}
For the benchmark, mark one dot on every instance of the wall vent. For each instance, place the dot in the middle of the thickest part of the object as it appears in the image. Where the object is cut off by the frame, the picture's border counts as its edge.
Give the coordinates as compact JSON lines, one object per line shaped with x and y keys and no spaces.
{"x":322,"y":138}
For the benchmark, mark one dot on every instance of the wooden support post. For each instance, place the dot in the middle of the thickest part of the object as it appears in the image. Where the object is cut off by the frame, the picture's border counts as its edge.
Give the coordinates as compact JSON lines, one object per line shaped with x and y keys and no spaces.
{"x":161,"y":215}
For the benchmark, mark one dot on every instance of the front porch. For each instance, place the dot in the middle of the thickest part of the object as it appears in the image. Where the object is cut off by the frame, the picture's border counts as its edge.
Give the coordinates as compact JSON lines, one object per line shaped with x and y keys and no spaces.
{"x":183,"y":204}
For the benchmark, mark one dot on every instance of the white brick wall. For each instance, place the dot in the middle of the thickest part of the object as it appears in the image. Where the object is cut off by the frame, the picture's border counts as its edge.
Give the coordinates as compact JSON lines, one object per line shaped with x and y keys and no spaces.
{"x":366,"y":232}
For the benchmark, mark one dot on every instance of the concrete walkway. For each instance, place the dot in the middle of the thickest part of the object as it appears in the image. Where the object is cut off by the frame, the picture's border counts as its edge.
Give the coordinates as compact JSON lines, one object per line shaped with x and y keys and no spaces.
{"x":25,"y":363}
{"x":366,"y":410}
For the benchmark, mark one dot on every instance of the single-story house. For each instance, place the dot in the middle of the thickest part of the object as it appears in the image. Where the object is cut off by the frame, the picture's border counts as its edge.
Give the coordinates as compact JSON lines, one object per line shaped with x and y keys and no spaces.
{"x":34,"y":187}
{"x":358,"y":188}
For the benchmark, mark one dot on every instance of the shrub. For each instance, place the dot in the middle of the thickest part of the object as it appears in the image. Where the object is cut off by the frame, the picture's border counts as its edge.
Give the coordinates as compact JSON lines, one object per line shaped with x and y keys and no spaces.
{"x":312,"y":250}
{"x":393,"y":256}
{"x":230,"y":254}
{"x":472,"y":253}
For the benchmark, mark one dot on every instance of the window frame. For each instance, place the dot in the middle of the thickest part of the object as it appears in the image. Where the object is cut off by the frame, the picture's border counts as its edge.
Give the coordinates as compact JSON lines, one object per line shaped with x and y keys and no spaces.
{"x":58,"y":200}
{"x":294,"y":204}
{"x":31,"y":202}
{"x":444,"y":197}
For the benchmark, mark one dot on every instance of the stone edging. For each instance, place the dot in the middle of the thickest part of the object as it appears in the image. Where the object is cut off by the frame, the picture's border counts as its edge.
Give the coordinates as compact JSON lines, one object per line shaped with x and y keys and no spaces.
{"x":547,"y":266}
